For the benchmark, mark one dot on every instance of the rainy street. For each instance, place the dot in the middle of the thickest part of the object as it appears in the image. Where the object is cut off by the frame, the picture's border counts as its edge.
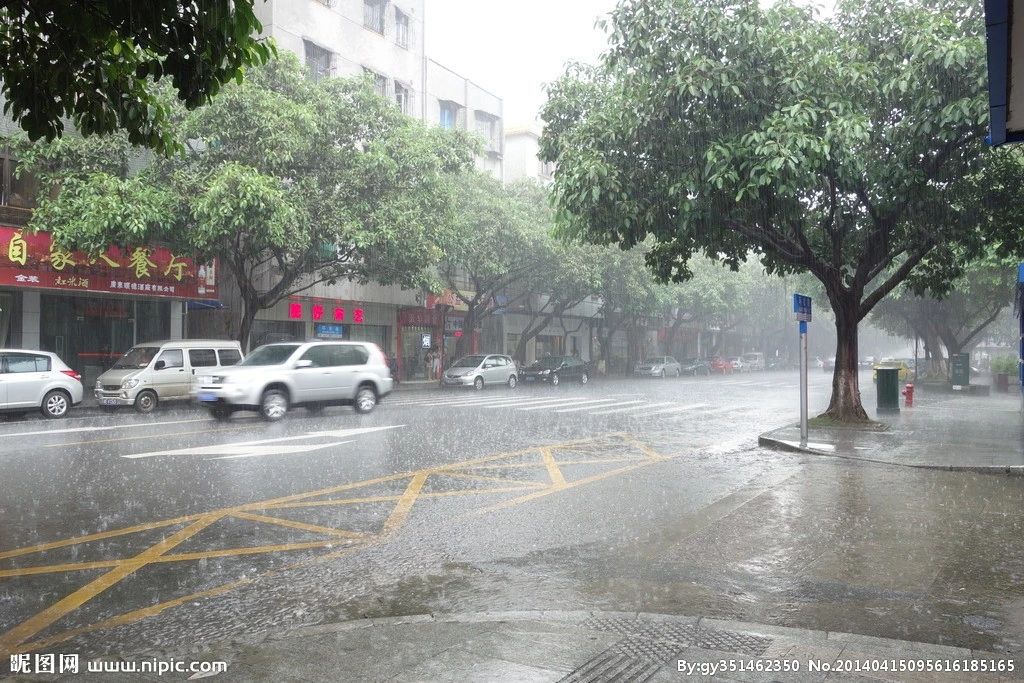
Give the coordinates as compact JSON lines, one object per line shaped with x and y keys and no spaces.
{"x":122,"y":533}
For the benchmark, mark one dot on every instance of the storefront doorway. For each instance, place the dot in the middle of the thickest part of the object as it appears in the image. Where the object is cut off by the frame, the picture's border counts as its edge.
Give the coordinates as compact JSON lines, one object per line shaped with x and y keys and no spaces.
{"x":90,"y":333}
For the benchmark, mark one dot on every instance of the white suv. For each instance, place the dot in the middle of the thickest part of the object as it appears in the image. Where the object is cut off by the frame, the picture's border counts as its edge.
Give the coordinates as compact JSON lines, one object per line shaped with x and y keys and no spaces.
{"x":37,"y":380}
{"x":275,"y":377}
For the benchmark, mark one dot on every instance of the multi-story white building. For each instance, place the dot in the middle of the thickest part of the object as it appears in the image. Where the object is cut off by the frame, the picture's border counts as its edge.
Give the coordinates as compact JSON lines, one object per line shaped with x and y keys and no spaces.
{"x":522,"y":156}
{"x":384,"y":38}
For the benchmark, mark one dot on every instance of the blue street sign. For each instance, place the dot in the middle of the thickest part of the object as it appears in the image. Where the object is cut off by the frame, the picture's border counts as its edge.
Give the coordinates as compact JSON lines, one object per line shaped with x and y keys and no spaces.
{"x":802,"y":307}
{"x":329,"y":331}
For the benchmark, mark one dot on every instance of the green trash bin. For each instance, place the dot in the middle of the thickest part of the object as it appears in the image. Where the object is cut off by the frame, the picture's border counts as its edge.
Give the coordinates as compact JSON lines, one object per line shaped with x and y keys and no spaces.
{"x":888,"y":390}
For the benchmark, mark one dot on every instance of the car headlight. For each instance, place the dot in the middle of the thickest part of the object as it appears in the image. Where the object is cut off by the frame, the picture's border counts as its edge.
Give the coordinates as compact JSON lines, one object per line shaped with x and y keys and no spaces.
{"x":99,"y":385}
{"x":129,"y":384}
{"x":545,"y":372}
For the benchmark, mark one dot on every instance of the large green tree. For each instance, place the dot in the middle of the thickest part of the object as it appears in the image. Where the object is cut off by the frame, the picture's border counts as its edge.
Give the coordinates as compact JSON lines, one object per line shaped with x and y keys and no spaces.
{"x":849,"y":147}
{"x":95,"y":63}
{"x":288,"y":181}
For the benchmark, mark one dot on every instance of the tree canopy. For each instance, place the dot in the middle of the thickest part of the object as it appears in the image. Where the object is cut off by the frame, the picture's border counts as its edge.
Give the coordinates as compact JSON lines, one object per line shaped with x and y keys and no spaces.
{"x":849,"y":147}
{"x":288,"y":181}
{"x":96,"y":63}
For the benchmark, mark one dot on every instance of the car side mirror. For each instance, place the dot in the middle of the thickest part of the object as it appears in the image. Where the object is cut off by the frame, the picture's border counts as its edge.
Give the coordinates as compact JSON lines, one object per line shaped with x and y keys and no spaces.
{"x":160,"y":365}
{"x":304,"y":363}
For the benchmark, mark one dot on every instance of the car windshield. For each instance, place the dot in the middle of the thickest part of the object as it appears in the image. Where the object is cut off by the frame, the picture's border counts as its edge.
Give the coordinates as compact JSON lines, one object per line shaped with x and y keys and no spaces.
{"x":272,"y":354}
{"x":469,"y":362}
{"x":139,"y":357}
{"x":657,"y":360}
{"x":550,"y":362}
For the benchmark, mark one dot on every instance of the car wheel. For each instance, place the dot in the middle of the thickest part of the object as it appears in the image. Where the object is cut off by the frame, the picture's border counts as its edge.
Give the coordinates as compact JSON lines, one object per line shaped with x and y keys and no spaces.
{"x":554,"y":380}
{"x":584,"y":378}
{"x":273,"y":405}
{"x":661,"y":375}
{"x":679,"y":373}
{"x":512,"y":381}
{"x":146,"y":402}
{"x":366,"y":399}
{"x":478,"y":383}
{"x":220,"y":413}
{"x":56,"y":404}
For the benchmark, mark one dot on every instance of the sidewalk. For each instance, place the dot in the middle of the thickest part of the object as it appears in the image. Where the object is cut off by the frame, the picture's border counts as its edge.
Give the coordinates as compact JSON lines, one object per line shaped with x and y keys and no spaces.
{"x":578,"y":646}
{"x":941,"y":431}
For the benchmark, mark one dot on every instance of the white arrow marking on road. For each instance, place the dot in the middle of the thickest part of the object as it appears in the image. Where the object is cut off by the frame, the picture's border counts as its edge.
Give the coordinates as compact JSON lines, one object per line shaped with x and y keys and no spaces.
{"x":234,"y":448}
{"x":256,"y":451}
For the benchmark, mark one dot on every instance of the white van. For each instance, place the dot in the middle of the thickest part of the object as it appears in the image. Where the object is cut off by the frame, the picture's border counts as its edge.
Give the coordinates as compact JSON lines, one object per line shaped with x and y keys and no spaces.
{"x":162,"y":371}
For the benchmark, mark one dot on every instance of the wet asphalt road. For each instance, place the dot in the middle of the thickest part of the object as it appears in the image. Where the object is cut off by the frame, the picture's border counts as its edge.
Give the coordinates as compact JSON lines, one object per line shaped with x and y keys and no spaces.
{"x":121,"y":533}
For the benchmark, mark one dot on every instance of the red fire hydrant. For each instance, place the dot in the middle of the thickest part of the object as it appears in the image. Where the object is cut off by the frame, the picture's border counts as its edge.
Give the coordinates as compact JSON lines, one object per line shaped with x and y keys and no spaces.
{"x":908,"y":393}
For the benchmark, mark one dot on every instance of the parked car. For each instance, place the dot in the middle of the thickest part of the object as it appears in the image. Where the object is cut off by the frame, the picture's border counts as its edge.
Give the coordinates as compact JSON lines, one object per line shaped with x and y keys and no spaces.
{"x":556,"y":369}
{"x":276,"y":377}
{"x":479,"y":370}
{"x":658,"y":366}
{"x":160,"y":371}
{"x":902,"y":366}
{"x":37,"y":380}
{"x":754,"y":361}
{"x":719,"y":364}
{"x":829,"y":364}
{"x":696,"y":366}
{"x":737,"y":364}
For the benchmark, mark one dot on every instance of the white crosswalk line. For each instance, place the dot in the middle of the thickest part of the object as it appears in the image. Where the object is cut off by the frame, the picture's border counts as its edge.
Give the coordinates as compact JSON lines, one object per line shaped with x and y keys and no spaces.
{"x":567,"y":401}
{"x":590,"y":407}
{"x":633,"y":408}
{"x":546,"y":402}
{"x":450,"y":401}
{"x":678,"y":409}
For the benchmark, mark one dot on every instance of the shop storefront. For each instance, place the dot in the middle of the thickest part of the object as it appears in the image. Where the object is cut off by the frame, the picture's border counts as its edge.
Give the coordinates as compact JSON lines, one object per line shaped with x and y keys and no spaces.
{"x":91,"y":309}
{"x":317,"y":318}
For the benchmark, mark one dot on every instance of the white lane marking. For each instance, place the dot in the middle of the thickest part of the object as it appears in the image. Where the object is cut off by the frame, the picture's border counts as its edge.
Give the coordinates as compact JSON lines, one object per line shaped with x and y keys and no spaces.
{"x":249,"y":452}
{"x":464,"y":401}
{"x":539,"y":402}
{"x":577,"y":409}
{"x":567,"y":401}
{"x":628,"y":410}
{"x":234,"y":448}
{"x":76,"y":430}
{"x":678,"y":409}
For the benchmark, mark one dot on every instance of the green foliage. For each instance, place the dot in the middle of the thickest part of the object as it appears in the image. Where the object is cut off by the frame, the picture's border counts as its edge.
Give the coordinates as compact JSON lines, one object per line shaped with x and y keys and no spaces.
{"x":317,"y":180}
{"x":97,"y":64}
{"x":1004,"y":365}
{"x":849,"y":147}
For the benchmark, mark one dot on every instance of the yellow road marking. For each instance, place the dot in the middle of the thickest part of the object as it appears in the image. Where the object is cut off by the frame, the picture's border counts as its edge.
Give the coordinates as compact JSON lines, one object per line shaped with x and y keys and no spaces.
{"x":480,"y":477}
{"x":405,"y":503}
{"x":302,"y":526}
{"x":54,"y":612}
{"x":51,"y":568}
{"x":17,"y":638}
{"x":557,"y":480}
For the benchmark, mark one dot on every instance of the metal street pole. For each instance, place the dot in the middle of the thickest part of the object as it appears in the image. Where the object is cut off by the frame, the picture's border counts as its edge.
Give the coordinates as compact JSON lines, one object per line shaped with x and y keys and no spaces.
{"x":803,"y":383}
{"x":915,"y":358}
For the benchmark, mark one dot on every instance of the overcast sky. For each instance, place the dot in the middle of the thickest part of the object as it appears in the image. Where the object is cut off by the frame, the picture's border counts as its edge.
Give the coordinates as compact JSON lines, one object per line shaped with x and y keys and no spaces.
{"x":512,"y":48}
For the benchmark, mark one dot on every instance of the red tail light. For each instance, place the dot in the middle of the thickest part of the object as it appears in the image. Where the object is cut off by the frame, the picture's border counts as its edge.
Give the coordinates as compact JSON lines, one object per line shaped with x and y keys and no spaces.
{"x":72,"y":374}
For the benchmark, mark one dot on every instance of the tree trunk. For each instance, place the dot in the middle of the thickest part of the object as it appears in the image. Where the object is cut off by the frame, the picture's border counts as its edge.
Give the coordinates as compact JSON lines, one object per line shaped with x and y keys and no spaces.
{"x":846,"y":405}
{"x":249,"y":310}
{"x":469,"y":323}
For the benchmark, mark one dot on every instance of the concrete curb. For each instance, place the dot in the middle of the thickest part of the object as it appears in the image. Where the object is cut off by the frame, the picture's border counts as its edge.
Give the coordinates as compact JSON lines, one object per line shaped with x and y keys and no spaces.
{"x":766,"y":440}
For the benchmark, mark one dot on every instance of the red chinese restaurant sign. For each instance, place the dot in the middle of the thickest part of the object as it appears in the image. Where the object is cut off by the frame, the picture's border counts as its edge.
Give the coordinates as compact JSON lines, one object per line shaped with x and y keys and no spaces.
{"x":32,"y":260}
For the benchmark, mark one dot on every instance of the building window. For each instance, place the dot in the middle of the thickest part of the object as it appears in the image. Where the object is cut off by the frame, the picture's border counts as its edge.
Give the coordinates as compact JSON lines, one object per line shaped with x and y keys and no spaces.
{"x":487,"y":127}
{"x":373,"y":15}
{"x":401,"y":28}
{"x":449,"y":114}
{"x":380,"y":81}
{"x":402,"y":97}
{"x":318,"y":60}
{"x":15,"y":191}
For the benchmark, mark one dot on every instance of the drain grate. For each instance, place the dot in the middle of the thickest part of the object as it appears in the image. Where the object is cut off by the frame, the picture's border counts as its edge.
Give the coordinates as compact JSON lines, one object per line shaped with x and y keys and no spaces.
{"x":648,"y":645}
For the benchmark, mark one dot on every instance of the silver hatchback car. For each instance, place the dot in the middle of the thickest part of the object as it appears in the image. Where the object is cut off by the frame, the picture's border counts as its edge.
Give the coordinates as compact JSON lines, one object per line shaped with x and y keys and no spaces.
{"x":37,"y":380}
{"x":275,"y":377}
{"x":481,"y":369}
